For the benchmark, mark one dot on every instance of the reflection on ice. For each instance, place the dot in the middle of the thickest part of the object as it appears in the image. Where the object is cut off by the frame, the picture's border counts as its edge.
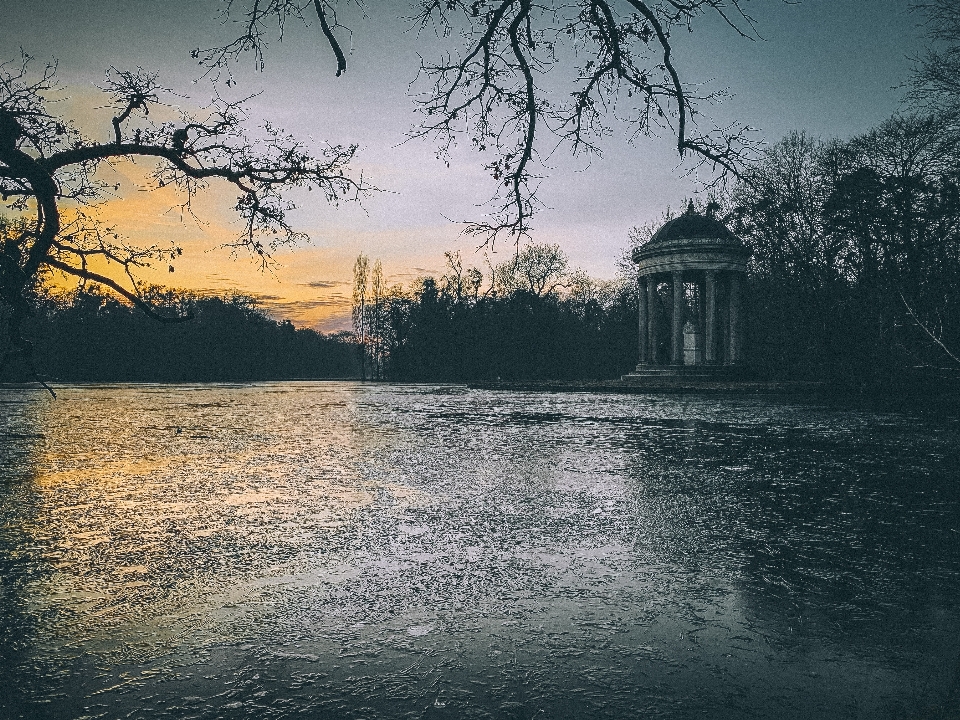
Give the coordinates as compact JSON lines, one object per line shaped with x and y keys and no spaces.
{"x":341,"y":550}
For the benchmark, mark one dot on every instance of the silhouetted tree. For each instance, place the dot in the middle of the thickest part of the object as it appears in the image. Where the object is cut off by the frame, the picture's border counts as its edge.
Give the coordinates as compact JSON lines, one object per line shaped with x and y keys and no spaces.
{"x":376,"y":323}
{"x":49,"y":178}
{"x":493,"y":87}
{"x":897,"y":206}
{"x":537,"y":269}
{"x":856,"y":267}
{"x":463,"y":285}
{"x":779,"y":206}
{"x":361,"y":282}
{"x":448,"y":331}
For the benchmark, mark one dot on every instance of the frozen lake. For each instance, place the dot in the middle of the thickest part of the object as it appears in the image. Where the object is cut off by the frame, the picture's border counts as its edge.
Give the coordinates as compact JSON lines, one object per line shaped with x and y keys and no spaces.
{"x":360,"y":551}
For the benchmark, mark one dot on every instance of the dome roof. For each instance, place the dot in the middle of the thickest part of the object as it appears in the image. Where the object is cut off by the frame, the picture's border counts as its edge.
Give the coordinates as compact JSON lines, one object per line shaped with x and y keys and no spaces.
{"x":692,"y":242}
{"x":693,"y":226}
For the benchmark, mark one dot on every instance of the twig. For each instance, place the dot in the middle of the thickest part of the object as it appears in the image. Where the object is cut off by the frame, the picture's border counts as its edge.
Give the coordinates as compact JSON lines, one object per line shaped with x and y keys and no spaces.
{"x":927,"y":330}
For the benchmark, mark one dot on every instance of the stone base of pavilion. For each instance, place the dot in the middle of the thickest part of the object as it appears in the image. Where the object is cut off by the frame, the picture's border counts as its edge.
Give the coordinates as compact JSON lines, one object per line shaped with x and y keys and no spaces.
{"x":686,"y":381}
{"x":689,"y":372}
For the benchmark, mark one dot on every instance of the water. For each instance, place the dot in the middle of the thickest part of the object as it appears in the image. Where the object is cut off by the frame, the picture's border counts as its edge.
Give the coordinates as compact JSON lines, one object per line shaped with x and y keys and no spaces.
{"x":337,"y":550}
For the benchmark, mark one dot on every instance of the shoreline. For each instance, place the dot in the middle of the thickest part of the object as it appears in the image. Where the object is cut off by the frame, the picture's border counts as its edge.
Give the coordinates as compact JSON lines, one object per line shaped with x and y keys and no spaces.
{"x":658,"y":385}
{"x":946,"y":390}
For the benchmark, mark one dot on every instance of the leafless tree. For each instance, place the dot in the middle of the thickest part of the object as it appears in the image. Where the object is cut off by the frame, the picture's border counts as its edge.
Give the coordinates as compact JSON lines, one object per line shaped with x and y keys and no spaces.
{"x":493,"y":87}
{"x":584,"y":290}
{"x":914,"y":160}
{"x":936,"y":76}
{"x":779,"y":207}
{"x":459,"y":283}
{"x":51,"y":182}
{"x":538,"y":269}
{"x":361,"y":289}
{"x":377,"y":322}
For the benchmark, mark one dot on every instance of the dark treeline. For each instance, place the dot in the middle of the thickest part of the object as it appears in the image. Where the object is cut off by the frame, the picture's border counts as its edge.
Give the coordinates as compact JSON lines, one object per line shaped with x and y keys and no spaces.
{"x":91,"y":336}
{"x":529,"y":318}
{"x":856,"y":270}
{"x":518,"y":337}
{"x":854,"y":280}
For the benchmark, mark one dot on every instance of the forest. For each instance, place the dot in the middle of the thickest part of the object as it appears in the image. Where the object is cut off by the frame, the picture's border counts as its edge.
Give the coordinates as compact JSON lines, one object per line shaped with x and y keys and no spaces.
{"x":531,"y":317}
{"x":89,"y":335}
{"x":854,"y":280}
{"x":856,"y":269}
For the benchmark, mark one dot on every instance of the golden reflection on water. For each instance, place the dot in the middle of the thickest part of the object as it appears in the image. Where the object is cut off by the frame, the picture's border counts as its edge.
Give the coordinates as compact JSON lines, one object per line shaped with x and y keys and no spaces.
{"x":602,"y":549}
{"x":126,"y":495}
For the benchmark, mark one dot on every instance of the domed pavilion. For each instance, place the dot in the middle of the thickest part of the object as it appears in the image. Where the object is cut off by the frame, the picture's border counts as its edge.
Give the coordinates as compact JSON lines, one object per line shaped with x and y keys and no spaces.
{"x":690,"y":275}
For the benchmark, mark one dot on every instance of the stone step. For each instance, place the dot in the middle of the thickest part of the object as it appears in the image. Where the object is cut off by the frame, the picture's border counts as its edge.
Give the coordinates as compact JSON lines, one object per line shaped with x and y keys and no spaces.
{"x":685,"y":372}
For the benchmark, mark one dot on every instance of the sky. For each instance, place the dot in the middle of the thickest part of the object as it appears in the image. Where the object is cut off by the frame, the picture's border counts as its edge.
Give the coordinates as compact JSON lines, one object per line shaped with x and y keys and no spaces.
{"x":830,"y":67}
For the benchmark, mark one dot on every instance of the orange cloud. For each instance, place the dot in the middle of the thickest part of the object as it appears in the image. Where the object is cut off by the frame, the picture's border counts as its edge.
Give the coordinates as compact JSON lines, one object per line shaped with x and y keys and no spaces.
{"x":311,"y":286}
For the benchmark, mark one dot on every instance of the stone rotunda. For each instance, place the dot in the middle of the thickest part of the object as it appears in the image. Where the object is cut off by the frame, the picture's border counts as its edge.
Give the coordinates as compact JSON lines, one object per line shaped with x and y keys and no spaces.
{"x":690,"y":274}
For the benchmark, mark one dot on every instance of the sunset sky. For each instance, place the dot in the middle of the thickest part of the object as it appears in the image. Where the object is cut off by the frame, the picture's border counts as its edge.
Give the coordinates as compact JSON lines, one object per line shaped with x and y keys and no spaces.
{"x":830,"y":67}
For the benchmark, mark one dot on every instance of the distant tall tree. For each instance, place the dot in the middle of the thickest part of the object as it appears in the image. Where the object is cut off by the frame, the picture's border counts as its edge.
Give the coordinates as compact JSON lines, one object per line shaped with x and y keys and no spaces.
{"x":361,"y":276}
{"x":377,"y":322}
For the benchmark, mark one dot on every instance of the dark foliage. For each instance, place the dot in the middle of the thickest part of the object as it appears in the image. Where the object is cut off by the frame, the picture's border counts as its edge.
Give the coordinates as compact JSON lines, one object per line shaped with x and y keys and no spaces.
{"x":49,"y":183}
{"x":517,"y":337}
{"x":93,"y":337}
{"x":856,"y":270}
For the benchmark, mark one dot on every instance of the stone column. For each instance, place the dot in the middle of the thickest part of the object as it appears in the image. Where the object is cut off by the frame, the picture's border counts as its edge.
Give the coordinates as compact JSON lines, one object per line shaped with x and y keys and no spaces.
{"x":701,"y":324}
{"x":710,"y":329}
{"x":677,"y":335}
{"x":734,"y":350}
{"x":644,"y":322}
{"x":651,"y":320}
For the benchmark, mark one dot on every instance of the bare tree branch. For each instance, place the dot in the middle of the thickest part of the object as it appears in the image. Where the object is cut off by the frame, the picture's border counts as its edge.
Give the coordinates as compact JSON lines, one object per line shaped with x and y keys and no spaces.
{"x":490,"y":92}
{"x":933,"y":336}
{"x":48,"y":177}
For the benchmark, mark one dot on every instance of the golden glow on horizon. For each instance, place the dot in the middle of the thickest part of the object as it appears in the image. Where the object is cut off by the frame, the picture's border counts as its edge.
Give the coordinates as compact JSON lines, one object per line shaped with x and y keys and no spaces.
{"x":309,"y":285}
